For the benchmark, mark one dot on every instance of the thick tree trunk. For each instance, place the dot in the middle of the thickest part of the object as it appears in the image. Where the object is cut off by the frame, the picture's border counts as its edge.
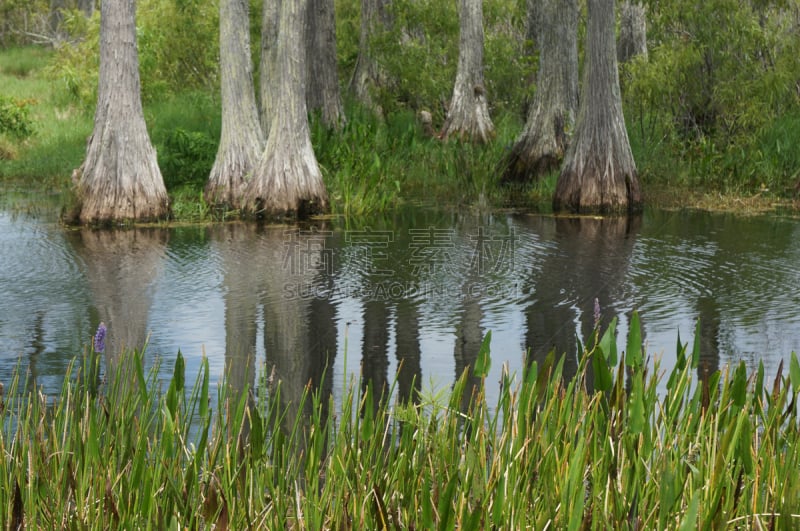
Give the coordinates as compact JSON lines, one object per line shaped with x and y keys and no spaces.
{"x":242,"y":140}
{"x":599,"y":173}
{"x":119,"y":179}
{"x":322,"y":87}
{"x":368,"y":75}
{"x":468,"y":116}
{"x":632,"y":31}
{"x":287,"y":180}
{"x":541,"y":146}
{"x":269,"y":69}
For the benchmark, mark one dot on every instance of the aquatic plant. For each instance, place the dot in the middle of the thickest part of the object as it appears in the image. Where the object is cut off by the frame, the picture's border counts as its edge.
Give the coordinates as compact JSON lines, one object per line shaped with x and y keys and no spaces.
{"x":100,"y":338}
{"x":608,"y":448}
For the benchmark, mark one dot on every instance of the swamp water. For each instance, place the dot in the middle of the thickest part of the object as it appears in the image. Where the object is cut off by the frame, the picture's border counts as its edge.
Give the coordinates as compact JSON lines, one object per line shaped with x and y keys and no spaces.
{"x":411,"y":294}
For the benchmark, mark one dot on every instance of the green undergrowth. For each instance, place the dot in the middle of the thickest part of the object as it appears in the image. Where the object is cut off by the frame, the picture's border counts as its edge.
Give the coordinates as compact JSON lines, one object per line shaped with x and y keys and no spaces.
{"x":602,"y":450}
{"x":373,"y":164}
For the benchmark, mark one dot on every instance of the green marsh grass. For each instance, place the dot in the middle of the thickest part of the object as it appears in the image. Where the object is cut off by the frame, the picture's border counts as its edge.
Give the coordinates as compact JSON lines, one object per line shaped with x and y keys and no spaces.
{"x":602,"y":450}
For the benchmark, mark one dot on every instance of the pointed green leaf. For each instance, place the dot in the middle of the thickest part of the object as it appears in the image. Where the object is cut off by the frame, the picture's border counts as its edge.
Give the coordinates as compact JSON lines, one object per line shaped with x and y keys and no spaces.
{"x":689,"y":522}
{"x":794,"y":372}
{"x":680,"y":354}
{"x":609,"y":343}
{"x":739,"y":386}
{"x":636,"y":412}
{"x":633,"y":353}
{"x":484,"y":361}
{"x":204,"y":389}
{"x":603,"y":378}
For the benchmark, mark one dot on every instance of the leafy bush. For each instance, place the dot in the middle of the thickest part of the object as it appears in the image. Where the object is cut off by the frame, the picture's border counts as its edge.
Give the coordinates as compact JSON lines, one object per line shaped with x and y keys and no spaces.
{"x":420,"y":54}
{"x":177,"y":43}
{"x":15,"y":119}
{"x":186,"y":157}
{"x":720,"y":75}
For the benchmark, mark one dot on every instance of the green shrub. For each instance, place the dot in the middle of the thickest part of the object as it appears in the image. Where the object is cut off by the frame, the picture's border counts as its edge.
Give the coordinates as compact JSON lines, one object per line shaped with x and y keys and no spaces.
{"x":186,"y":157}
{"x":177,"y":42}
{"x":712,"y":96}
{"x":15,"y":118}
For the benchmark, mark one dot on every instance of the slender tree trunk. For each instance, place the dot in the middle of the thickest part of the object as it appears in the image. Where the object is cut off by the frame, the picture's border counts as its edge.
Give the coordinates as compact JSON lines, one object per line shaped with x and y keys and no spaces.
{"x":322,"y":87}
{"x":269,"y":69}
{"x":242,"y":140}
{"x":468,"y":116}
{"x":119,"y":179}
{"x":632,"y":31}
{"x":368,"y":75}
{"x":287,"y":180}
{"x":541,"y":146}
{"x":599,"y":173}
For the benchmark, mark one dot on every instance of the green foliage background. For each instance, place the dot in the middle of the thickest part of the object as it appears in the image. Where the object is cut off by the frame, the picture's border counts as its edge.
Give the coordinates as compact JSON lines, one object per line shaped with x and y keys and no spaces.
{"x":714,"y":106}
{"x":718,"y":94}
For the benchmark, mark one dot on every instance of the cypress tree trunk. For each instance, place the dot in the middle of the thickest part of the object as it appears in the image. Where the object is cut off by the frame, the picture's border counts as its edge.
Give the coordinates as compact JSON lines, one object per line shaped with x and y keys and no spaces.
{"x":632,"y":31}
{"x":119,"y":180}
{"x":322,"y":87}
{"x":541,"y":146}
{"x":368,"y":75}
{"x":269,"y":70}
{"x":287,"y":180}
{"x":468,"y":116}
{"x":242,"y":140}
{"x":599,"y":173}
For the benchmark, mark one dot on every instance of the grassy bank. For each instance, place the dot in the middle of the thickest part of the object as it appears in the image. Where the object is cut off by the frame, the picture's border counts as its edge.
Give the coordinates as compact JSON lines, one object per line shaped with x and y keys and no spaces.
{"x":603,"y":450}
{"x":371,"y":165}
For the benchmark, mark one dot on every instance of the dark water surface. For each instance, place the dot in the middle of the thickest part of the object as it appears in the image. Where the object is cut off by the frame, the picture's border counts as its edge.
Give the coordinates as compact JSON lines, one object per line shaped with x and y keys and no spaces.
{"x":414,"y":291}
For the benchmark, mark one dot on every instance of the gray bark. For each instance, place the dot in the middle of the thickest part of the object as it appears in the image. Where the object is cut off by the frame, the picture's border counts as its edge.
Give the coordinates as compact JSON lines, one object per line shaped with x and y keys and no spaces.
{"x":269,"y":69}
{"x":368,"y":75}
{"x":322,"y":88}
{"x":599,"y":173}
{"x":632,"y":31}
{"x":468,"y":116}
{"x":533,"y":21}
{"x":287,"y":180}
{"x":541,"y":146}
{"x":241,"y":140}
{"x":120,"y":178}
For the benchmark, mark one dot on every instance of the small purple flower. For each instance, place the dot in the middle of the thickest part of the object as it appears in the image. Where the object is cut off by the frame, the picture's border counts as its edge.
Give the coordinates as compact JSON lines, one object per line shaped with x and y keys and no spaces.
{"x":100,"y":338}
{"x":596,"y":312}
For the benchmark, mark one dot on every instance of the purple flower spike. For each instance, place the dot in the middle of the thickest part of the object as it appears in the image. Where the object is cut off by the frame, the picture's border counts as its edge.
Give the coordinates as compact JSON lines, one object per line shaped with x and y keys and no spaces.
{"x":596,"y":312}
{"x":100,"y":338}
